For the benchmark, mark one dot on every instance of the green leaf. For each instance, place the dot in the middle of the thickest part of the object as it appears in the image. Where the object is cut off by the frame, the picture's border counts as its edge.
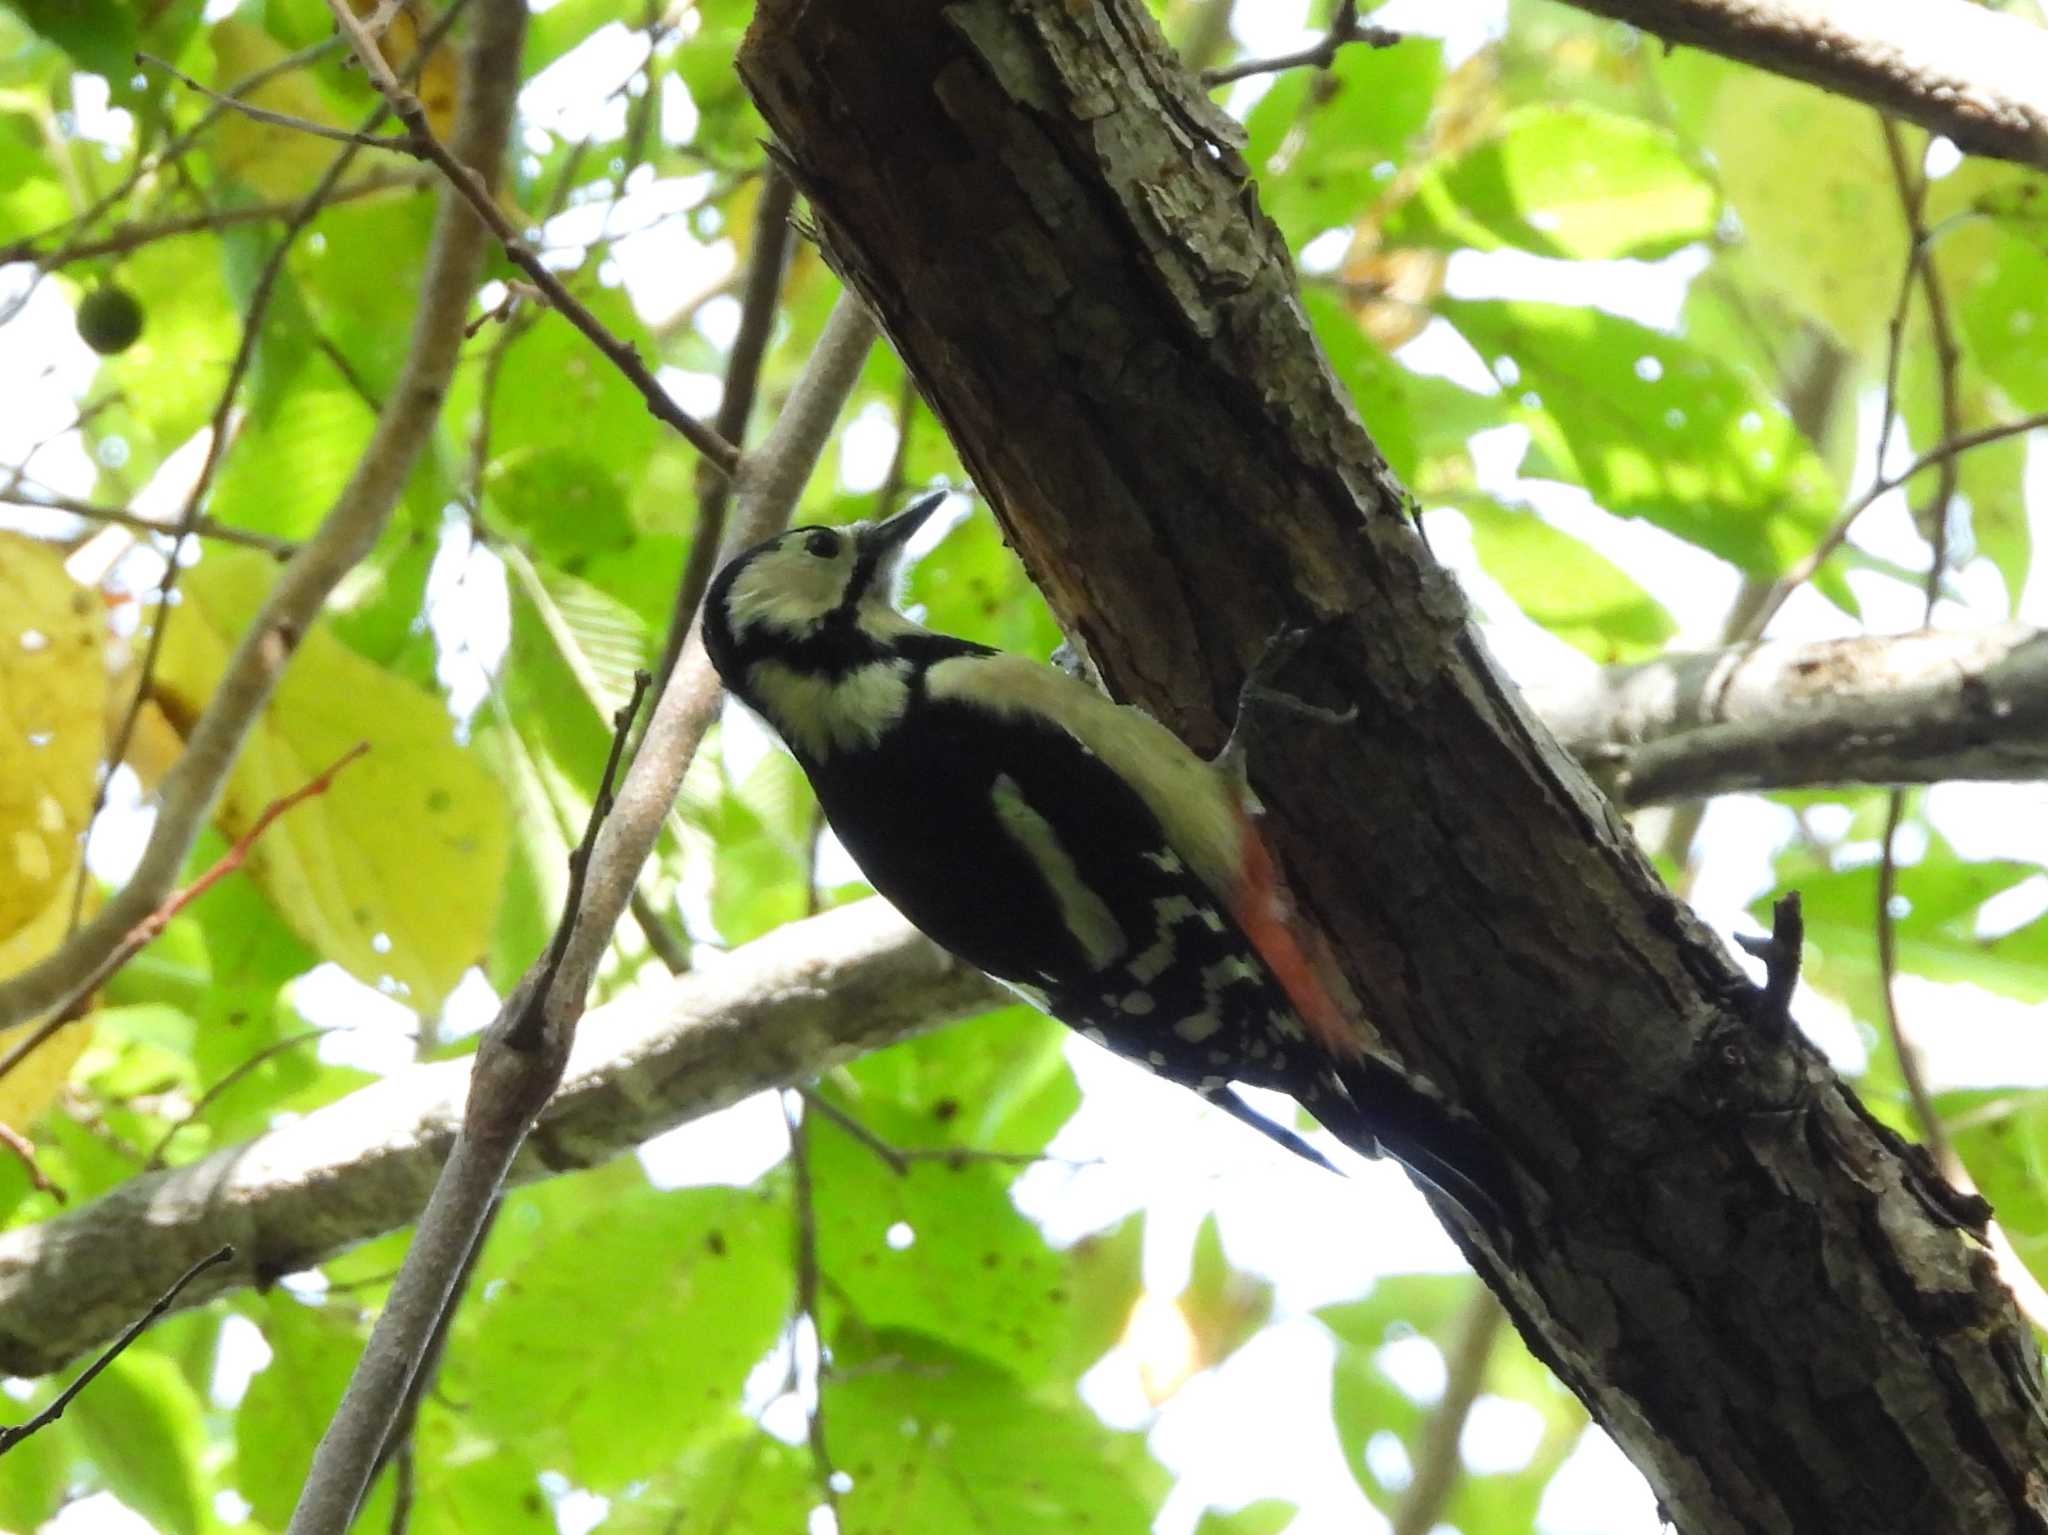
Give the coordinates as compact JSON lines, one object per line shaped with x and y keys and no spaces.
{"x":2002,"y":1138}
{"x":936,"y":1439}
{"x":555,"y":390}
{"x":1106,"y":1277}
{"x":975,"y":1274}
{"x":1324,"y":147}
{"x":997,"y":1083}
{"x":939,"y":1248}
{"x":360,"y":278}
{"x":2004,"y":315}
{"x":141,"y":1422}
{"x":313,"y":1350}
{"x":746,"y":1484}
{"x":1565,"y":181}
{"x":1936,"y":938}
{"x":1656,"y":429}
{"x":618,"y":1324}
{"x":1578,"y":594}
{"x":38,"y":1467}
{"x":1822,"y":226}
{"x":288,"y":468}
{"x":566,"y":504}
{"x":394,"y":871}
{"x":100,"y":34}
{"x":760,"y":832}
{"x":1268,"y":1516}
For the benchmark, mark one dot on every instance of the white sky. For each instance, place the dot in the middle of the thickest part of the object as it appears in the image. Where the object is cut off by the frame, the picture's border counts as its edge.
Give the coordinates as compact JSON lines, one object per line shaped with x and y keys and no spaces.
{"x":1260,"y":1426}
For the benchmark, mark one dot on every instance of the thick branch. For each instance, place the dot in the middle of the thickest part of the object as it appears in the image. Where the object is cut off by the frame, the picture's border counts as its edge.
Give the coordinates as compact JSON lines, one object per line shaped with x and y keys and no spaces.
{"x":1966,"y":71}
{"x":1747,"y":1283}
{"x":806,"y":998}
{"x":1879,"y":709}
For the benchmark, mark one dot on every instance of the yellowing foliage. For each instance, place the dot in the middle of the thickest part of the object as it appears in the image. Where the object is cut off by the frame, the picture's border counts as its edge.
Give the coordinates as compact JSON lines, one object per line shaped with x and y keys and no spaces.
{"x":395,"y":872}
{"x":53,"y":686}
{"x":271,"y":158}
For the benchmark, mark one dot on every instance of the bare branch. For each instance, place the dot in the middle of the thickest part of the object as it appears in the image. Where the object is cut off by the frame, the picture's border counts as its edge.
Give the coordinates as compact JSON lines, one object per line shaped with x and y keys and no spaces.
{"x":14,"y":1434}
{"x":524,"y":1053}
{"x":768,"y":484}
{"x":1965,"y":71}
{"x":1878,"y":709}
{"x":802,"y":1000}
{"x":517,"y":1069}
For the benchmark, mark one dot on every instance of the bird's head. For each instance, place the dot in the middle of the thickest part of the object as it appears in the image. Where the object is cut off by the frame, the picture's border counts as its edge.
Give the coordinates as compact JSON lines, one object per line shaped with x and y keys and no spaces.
{"x":813,"y":592}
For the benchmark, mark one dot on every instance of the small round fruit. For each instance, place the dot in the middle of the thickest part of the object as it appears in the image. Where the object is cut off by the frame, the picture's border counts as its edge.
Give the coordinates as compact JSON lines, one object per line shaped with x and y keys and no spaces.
{"x":109,"y":320}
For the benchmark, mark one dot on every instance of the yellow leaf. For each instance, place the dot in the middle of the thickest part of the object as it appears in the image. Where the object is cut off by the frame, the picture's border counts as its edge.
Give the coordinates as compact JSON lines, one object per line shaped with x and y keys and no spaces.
{"x":53,"y":687}
{"x":278,"y":161}
{"x":27,"y":1090}
{"x":394,"y":873}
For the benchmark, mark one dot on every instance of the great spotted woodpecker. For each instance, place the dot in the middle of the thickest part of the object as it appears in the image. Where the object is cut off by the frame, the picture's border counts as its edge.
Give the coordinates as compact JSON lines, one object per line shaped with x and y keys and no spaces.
{"x":1070,"y":846}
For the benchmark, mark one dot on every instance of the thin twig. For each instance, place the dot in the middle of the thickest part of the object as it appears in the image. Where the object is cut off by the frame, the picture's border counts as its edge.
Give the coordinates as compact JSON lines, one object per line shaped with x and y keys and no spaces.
{"x":900,"y":1159}
{"x":12,"y":1436}
{"x":1830,"y":541}
{"x":1924,"y":1113}
{"x":529,"y":1024}
{"x":1782,"y":954}
{"x":168,"y":155}
{"x":305,"y":125}
{"x":206,"y":1099}
{"x":36,"y":499}
{"x":666,"y":944}
{"x":509,"y":1086}
{"x":772,"y":239}
{"x":474,"y":190}
{"x":25,"y":1150}
{"x":1912,"y":189}
{"x":145,"y":932}
{"x":1345,"y":29}
{"x":125,"y":238}
{"x":805,"y":1243}
{"x":891,"y":490}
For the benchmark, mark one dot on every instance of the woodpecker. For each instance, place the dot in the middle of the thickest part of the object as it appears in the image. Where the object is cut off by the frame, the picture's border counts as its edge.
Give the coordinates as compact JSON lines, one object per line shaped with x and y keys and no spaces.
{"x":1072,"y":847}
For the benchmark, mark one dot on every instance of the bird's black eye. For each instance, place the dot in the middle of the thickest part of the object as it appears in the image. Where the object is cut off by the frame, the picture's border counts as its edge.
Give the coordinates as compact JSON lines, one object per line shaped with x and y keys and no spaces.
{"x":823,"y":543}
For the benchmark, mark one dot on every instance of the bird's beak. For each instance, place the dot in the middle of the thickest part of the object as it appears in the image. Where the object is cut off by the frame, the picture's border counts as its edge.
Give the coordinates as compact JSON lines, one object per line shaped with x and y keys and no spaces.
{"x":884,"y":543}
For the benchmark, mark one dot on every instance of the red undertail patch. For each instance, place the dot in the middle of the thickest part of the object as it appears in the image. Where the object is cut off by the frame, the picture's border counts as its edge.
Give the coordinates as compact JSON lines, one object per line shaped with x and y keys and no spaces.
{"x":1265,"y":913}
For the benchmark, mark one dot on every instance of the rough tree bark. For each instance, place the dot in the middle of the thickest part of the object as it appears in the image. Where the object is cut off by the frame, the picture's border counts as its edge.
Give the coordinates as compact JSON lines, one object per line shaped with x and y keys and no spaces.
{"x":1763,"y":1297}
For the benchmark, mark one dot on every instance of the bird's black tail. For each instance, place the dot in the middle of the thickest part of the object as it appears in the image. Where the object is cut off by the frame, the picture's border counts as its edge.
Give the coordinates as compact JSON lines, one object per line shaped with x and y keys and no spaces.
{"x":1449,"y":1153}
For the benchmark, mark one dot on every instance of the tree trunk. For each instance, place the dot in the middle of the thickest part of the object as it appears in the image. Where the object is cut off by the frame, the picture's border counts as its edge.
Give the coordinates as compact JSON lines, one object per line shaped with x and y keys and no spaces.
{"x":1765,"y":1298}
